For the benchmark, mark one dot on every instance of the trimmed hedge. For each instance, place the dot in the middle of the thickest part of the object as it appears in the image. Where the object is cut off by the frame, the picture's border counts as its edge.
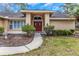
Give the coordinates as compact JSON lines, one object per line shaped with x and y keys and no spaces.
{"x":62,"y":32}
{"x":59,"y":32}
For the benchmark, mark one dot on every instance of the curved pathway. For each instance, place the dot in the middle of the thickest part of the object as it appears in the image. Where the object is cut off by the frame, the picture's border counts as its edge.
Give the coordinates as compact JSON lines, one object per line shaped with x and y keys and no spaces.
{"x":36,"y":43}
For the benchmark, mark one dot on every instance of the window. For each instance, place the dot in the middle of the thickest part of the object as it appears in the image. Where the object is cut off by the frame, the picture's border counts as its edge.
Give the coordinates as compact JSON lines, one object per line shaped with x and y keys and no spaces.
{"x":16,"y":24}
{"x":37,"y":18}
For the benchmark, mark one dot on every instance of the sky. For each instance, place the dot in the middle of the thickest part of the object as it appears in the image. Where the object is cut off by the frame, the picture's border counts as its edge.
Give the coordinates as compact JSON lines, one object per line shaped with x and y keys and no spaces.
{"x":34,"y":6}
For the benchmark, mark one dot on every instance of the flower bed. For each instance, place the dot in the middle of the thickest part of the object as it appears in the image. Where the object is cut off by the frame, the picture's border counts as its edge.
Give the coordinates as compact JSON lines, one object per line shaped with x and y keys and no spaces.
{"x":15,"y":40}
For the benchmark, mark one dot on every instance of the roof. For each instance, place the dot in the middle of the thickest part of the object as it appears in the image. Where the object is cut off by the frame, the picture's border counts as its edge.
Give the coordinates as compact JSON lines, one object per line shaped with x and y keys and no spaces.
{"x":36,"y":11}
{"x":11,"y":15}
{"x":61,"y":16}
{"x":55,"y":16}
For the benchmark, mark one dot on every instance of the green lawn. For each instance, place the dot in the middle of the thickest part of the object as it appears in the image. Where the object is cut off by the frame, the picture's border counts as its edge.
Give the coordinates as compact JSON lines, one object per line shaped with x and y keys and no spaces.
{"x":56,"y":46}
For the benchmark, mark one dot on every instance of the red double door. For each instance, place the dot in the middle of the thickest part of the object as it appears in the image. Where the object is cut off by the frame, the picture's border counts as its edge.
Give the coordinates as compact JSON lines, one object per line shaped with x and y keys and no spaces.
{"x":38,"y":25}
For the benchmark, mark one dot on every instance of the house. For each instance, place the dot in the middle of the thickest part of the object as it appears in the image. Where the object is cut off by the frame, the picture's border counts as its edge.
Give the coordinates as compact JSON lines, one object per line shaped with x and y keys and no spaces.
{"x":12,"y":22}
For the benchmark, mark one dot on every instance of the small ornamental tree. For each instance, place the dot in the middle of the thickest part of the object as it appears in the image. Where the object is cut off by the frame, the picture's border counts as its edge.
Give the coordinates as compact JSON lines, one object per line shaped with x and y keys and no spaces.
{"x":29,"y":29}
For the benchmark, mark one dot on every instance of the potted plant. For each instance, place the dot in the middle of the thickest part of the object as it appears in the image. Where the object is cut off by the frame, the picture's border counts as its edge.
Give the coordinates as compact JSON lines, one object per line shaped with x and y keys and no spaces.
{"x":29,"y":29}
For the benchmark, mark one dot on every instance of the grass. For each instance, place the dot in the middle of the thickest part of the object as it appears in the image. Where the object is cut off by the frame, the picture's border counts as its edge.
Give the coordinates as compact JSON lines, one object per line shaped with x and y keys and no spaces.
{"x":55,"y":46}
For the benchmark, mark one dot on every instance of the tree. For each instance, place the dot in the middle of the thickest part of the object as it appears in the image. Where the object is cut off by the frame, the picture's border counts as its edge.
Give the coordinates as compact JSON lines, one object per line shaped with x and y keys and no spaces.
{"x":7,"y":7}
{"x":23,"y":6}
{"x":71,"y":8}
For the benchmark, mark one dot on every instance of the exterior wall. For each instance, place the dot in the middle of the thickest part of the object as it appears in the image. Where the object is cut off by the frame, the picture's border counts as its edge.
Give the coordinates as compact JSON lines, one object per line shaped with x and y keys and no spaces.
{"x":63,"y":24}
{"x":28,"y":18}
{"x":46,"y":19}
{"x":4,"y":23}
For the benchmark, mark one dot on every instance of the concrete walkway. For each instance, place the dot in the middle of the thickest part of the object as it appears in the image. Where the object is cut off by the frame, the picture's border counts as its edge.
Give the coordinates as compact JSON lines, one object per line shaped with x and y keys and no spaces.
{"x":36,"y":43}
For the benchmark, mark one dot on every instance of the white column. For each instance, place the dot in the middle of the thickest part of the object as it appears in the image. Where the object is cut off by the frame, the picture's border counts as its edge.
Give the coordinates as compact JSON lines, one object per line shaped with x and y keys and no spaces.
{"x":28,"y":18}
{"x":6,"y":28}
{"x":46,"y":19}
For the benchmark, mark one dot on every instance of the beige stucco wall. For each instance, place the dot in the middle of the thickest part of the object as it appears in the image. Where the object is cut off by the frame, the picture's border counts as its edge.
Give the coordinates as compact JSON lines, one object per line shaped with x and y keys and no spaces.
{"x":28,"y":18}
{"x":63,"y":24}
{"x":4,"y":23}
{"x":46,"y":19}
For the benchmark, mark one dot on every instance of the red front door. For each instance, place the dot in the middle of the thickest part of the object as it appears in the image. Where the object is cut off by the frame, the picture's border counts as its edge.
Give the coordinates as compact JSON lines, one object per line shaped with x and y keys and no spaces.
{"x":38,"y":25}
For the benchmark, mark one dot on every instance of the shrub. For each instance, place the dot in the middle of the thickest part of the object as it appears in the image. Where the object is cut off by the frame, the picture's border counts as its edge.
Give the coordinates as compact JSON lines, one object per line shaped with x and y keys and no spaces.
{"x":48,"y":29}
{"x":1,"y":29}
{"x":29,"y":29}
{"x":66,"y":32}
{"x":62,"y":32}
{"x":72,"y":30}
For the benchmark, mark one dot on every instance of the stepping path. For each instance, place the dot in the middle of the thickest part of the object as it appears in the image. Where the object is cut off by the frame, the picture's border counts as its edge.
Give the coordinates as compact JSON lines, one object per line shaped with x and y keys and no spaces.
{"x":36,"y":43}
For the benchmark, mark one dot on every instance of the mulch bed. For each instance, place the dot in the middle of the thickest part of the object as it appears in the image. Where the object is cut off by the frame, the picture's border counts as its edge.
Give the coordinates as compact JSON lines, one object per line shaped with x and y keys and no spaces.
{"x":15,"y":40}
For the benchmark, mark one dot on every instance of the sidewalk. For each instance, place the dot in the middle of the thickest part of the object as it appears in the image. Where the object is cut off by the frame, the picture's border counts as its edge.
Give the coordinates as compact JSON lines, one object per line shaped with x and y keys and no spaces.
{"x":36,"y":43}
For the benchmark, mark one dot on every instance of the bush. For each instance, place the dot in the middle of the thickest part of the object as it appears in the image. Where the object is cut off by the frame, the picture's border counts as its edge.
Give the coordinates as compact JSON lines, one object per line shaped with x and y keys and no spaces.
{"x":29,"y":29}
{"x":62,"y":32}
{"x":48,"y":29}
{"x":72,"y":30}
{"x":1,"y":29}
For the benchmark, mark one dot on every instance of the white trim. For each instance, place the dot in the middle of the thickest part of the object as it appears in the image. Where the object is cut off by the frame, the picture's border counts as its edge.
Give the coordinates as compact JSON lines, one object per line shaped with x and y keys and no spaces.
{"x":16,"y":25}
{"x":16,"y":32}
{"x":64,"y":18}
{"x":36,"y":11}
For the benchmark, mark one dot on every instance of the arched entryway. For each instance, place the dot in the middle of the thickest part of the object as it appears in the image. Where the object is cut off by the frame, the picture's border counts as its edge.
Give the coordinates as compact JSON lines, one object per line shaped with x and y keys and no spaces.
{"x":38,"y":23}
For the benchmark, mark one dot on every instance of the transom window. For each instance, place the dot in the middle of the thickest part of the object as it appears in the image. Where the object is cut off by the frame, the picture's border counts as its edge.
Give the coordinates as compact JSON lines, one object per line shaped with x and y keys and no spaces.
{"x":37,"y":18}
{"x":17,"y":24}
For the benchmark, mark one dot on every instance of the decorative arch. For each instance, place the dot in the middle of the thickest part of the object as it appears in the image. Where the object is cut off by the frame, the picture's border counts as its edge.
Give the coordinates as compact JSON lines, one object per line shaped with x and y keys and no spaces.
{"x":37,"y":17}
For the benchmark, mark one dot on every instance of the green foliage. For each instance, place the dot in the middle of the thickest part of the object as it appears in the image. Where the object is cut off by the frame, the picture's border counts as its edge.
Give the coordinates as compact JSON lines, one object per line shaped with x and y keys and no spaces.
{"x":1,"y":29}
{"x":62,"y":32}
{"x":23,"y":6}
{"x":71,"y":8}
{"x":48,"y":29}
{"x":29,"y":29}
{"x":72,"y":30}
